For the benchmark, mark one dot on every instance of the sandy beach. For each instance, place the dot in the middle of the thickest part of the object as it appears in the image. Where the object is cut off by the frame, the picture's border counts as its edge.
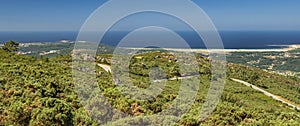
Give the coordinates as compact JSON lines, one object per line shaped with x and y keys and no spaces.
{"x":288,"y":48}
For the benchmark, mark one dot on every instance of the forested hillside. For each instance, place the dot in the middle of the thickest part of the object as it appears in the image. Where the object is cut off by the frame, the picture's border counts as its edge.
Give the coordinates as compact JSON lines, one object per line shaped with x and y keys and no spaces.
{"x":41,"y":92}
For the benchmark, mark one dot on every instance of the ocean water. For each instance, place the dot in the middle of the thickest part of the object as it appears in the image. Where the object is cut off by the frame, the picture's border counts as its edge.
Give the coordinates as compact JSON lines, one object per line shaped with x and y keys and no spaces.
{"x":231,"y":39}
{"x":36,"y":36}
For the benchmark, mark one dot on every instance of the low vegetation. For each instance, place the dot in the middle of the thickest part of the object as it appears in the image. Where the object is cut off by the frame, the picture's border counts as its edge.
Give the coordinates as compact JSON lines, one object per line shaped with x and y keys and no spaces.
{"x":42,"y":92}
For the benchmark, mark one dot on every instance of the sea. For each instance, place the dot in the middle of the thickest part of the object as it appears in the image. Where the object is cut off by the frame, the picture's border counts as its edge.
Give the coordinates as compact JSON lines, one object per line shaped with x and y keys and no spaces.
{"x":231,"y":39}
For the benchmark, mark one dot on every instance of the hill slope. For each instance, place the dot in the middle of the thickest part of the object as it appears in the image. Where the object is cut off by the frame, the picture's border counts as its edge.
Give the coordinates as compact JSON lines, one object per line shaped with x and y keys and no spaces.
{"x":41,"y":92}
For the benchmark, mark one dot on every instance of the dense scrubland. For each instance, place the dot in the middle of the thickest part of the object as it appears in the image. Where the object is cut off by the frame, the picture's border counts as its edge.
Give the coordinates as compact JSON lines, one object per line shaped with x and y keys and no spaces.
{"x":41,"y":92}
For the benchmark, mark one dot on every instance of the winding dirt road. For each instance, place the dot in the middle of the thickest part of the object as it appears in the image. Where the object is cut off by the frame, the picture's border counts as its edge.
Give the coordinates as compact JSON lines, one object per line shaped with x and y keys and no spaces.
{"x":275,"y":97}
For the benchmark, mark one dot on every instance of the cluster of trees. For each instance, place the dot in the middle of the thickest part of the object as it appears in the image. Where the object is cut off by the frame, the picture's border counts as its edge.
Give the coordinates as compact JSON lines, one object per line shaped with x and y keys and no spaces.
{"x":41,"y":92}
{"x":10,"y":46}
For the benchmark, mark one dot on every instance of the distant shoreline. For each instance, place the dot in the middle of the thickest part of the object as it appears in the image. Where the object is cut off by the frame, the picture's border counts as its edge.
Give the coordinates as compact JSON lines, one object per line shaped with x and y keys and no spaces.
{"x":285,"y":49}
{"x":288,"y":48}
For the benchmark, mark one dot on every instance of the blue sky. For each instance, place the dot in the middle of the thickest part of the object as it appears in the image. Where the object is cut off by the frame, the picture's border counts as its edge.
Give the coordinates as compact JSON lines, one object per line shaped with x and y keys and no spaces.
{"x":69,"y":15}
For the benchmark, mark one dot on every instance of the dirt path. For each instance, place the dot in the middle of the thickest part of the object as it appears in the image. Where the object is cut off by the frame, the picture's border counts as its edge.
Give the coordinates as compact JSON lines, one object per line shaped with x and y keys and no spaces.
{"x":108,"y":69}
{"x":105,"y":67}
{"x":175,"y":78}
{"x":275,"y":97}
